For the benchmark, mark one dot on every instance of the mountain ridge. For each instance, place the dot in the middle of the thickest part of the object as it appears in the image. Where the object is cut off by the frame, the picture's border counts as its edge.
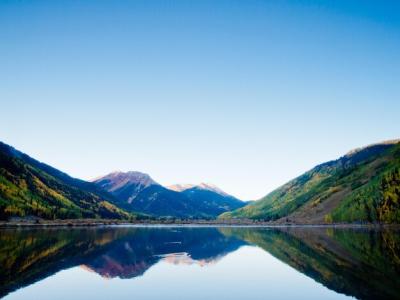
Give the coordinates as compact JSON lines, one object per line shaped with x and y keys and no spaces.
{"x":30,"y":187}
{"x":203,"y":185}
{"x":361,"y":186}
{"x":180,"y":201}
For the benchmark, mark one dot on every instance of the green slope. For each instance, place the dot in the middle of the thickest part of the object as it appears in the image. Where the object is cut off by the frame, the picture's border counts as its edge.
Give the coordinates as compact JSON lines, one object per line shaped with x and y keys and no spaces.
{"x":31,"y":188}
{"x":362,"y":186}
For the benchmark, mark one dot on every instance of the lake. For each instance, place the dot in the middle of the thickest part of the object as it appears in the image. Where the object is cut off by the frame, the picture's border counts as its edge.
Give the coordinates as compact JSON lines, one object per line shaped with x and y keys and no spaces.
{"x":199,"y":263}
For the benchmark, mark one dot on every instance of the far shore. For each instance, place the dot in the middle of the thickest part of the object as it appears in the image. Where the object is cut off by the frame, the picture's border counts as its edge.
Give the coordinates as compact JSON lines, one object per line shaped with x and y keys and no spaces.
{"x":139,"y":223}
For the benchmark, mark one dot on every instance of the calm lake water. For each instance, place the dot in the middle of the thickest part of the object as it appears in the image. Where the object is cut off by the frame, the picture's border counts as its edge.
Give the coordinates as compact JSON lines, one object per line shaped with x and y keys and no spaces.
{"x":199,"y":263}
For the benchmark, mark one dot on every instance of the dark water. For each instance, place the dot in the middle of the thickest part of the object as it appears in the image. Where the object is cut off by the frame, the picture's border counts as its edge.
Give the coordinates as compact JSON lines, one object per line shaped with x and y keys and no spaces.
{"x":199,"y":263}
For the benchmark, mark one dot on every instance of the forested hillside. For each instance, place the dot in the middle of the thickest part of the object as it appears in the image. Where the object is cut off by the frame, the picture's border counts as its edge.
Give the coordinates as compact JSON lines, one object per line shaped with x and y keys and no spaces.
{"x":362,"y":186}
{"x":31,"y":188}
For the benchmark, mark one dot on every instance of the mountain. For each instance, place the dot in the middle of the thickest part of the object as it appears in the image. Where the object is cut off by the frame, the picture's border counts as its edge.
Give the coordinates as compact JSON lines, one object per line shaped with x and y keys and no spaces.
{"x":138,"y":192}
{"x":125,"y":186}
{"x":361,"y":186}
{"x":31,"y":188}
{"x":191,"y":203}
{"x":202,"y":186}
{"x":212,"y":202}
{"x":159,"y":201}
{"x":180,"y":187}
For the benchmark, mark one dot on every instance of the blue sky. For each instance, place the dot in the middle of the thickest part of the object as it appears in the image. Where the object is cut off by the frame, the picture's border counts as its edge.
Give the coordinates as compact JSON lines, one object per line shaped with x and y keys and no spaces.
{"x":243,"y":94}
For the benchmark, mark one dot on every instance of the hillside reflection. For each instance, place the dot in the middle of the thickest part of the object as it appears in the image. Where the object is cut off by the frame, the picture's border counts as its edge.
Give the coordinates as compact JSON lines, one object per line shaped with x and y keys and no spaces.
{"x":357,"y":262}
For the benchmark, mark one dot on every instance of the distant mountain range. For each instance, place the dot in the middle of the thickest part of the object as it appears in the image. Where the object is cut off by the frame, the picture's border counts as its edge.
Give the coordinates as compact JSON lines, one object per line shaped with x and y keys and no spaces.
{"x":138,"y":192}
{"x":361,"y":186}
{"x":30,"y":189}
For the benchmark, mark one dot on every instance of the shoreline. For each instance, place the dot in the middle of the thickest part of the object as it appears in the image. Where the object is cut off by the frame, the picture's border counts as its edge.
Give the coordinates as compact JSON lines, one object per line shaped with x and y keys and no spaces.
{"x":193,"y":223}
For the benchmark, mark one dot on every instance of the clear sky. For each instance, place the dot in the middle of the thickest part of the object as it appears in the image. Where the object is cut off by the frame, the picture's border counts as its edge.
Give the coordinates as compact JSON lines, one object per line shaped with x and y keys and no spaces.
{"x":243,"y":94}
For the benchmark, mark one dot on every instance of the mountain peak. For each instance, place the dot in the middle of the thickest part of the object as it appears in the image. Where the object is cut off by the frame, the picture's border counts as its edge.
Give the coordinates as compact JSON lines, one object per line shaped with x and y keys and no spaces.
{"x":180,"y":187}
{"x":128,"y":184}
{"x":211,"y":187}
{"x":202,"y":185}
{"x":127,"y":177}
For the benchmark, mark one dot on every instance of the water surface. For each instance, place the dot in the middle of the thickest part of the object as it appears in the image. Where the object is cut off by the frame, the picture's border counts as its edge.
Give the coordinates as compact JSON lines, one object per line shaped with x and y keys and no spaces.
{"x":199,"y":263}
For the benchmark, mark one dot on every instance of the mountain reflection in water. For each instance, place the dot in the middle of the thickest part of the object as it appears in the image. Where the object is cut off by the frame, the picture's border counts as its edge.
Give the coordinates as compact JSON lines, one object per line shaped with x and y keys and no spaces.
{"x":363,"y":263}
